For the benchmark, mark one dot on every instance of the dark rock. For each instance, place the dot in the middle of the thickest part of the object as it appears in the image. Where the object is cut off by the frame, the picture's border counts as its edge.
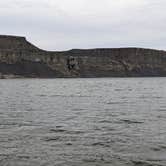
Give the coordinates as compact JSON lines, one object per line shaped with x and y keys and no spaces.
{"x":20,"y":58}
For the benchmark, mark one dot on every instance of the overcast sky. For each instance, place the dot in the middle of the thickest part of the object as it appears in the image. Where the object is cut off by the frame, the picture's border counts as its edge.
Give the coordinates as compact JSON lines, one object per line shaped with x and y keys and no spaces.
{"x":66,"y":24}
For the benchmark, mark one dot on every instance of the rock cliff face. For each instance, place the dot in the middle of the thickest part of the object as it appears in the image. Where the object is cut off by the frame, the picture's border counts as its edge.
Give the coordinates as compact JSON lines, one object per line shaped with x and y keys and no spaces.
{"x":19,"y":58}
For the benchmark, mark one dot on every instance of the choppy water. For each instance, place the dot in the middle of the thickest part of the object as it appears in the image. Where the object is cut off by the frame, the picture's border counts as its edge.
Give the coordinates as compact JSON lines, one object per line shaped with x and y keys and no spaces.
{"x":83,"y":122}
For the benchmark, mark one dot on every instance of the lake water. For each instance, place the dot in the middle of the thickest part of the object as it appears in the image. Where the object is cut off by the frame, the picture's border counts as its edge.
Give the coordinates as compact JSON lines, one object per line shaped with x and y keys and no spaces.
{"x":83,"y":122}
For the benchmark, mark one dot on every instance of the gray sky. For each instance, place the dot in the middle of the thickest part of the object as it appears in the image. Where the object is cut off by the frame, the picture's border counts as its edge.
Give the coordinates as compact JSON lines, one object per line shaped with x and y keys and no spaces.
{"x":66,"y":24}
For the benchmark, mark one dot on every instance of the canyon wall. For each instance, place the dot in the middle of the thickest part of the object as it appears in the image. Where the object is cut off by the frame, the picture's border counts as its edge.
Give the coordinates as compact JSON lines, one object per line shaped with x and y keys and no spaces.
{"x":19,"y":58}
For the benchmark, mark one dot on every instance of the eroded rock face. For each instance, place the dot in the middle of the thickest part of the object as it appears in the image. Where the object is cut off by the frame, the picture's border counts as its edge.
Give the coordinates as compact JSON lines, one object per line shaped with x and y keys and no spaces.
{"x":20,"y":58}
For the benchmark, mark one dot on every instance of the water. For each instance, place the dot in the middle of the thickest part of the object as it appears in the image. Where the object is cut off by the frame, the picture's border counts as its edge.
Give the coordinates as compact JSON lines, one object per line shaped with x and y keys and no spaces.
{"x":83,"y":122}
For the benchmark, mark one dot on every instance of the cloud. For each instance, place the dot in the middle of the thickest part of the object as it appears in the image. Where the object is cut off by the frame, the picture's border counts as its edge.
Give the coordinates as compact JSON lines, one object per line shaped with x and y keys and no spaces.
{"x":66,"y":24}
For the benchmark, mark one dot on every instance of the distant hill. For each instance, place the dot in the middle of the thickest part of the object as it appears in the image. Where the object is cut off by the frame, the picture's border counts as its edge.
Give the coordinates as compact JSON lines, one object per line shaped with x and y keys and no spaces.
{"x":20,"y":58}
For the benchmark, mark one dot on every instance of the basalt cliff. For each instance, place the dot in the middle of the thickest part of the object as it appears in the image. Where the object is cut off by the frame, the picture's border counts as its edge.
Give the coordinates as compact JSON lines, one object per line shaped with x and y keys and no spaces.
{"x":19,"y":58}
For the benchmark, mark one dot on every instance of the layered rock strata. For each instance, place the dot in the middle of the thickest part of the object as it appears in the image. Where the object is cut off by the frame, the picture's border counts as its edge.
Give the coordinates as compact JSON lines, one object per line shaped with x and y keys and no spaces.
{"x":20,"y":58}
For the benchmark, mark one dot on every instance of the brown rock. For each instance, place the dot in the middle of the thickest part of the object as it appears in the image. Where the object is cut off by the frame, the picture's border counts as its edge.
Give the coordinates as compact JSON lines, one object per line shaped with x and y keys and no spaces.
{"x":20,"y":58}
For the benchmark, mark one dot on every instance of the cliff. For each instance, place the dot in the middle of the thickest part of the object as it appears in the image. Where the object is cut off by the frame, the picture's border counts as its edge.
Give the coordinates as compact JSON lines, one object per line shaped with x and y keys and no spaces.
{"x":19,"y":58}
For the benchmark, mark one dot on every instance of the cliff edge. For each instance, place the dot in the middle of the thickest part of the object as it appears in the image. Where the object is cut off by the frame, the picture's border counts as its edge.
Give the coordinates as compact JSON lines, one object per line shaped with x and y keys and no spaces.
{"x":20,"y":58}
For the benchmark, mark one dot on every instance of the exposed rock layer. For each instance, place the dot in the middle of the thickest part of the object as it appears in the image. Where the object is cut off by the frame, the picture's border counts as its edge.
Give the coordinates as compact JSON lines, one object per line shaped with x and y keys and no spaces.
{"x":19,"y":58}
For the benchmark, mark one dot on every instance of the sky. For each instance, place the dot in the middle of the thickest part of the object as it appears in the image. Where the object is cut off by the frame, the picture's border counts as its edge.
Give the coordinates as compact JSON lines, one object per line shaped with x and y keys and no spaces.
{"x":67,"y":24}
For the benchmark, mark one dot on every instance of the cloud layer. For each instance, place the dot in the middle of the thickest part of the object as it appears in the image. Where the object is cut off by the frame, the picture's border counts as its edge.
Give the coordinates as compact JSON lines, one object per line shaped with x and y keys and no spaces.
{"x":66,"y":24}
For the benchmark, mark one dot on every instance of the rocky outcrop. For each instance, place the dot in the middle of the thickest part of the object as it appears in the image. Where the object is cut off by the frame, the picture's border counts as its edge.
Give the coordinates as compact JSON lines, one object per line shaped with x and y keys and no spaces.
{"x":19,"y":58}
